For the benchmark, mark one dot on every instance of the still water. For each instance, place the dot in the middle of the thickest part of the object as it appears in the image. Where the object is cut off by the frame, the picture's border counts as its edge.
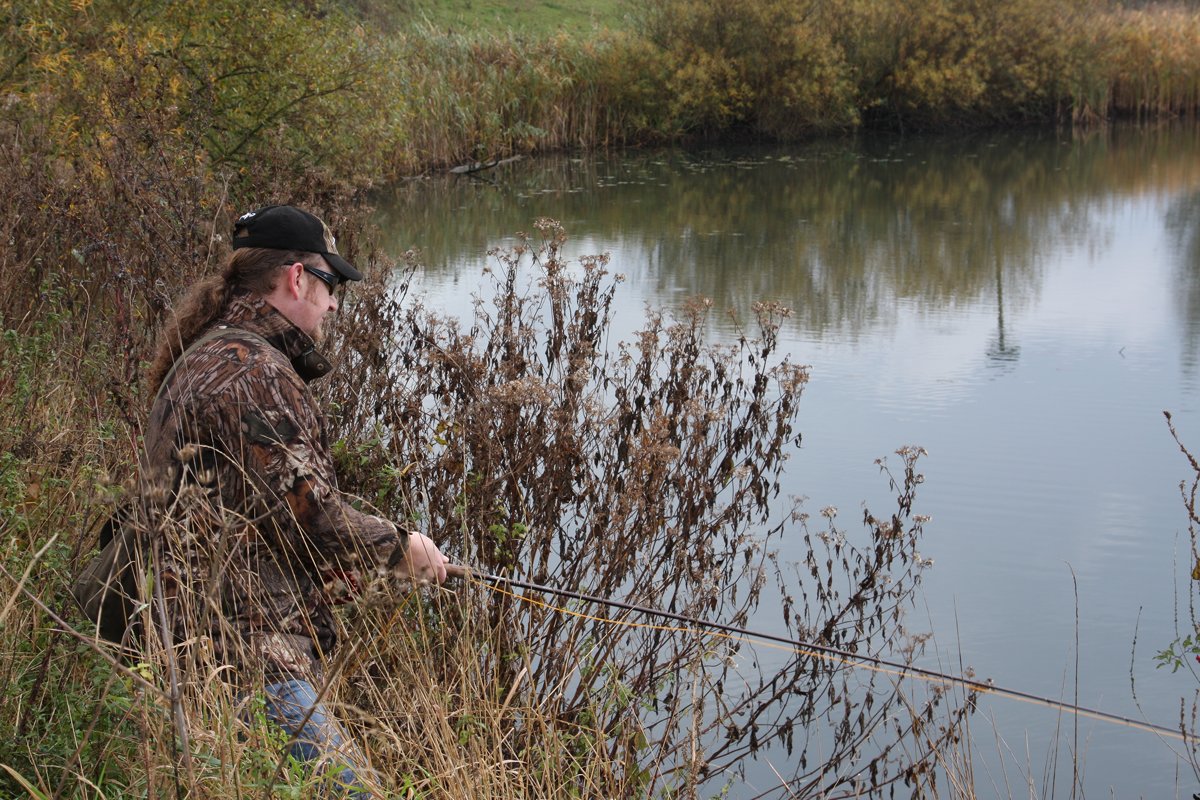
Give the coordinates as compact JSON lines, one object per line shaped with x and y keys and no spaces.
{"x":1023,"y":306}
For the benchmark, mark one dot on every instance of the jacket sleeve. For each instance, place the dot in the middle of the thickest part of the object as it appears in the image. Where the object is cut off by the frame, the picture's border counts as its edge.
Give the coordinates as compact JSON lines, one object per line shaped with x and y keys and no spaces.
{"x":287,"y":452}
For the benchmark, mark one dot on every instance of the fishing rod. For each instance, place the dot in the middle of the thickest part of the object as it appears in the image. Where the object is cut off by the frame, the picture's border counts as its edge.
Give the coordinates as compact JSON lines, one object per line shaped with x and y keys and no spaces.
{"x":810,"y":648}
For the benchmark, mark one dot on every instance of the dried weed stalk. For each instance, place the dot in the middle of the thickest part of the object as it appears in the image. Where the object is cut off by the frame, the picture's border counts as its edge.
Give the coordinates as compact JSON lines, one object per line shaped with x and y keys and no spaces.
{"x":529,"y":444}
{"x":1184,"y":652}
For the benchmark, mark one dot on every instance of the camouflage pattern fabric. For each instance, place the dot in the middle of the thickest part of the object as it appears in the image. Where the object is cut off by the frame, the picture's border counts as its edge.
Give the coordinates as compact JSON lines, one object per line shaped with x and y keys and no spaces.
{"x":239,"y":485}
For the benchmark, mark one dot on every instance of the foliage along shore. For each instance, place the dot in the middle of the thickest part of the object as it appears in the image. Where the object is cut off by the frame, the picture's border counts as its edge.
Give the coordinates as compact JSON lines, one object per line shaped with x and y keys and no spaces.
{"x":133,"y":132}
{"x":334,"y":92}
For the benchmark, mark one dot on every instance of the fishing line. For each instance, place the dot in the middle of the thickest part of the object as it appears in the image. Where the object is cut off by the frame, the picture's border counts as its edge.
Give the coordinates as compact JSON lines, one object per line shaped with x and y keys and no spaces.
{"x":824,"y":652}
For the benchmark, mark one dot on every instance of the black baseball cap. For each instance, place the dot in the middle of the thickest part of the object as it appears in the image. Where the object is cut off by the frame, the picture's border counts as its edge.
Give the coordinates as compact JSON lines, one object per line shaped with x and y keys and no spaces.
{"x":289,"y":228}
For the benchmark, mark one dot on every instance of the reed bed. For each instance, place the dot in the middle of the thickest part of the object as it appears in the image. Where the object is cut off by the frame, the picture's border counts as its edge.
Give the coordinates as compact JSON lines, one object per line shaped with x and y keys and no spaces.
{"x":1150,"y":59}
{"x":467,"y":97}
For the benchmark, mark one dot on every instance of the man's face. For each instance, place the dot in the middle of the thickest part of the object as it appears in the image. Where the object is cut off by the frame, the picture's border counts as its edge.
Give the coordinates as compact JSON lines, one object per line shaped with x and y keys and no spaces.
{"x":319,"y":301}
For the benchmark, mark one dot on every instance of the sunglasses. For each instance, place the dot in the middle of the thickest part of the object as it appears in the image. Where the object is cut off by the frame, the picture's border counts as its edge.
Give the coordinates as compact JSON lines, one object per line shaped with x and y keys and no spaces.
{"x":327,"y":278}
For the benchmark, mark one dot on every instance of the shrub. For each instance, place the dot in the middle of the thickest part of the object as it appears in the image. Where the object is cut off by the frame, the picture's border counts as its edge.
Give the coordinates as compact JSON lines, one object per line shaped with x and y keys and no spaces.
{"x":530,"y":445}
{"x":764,"y":65}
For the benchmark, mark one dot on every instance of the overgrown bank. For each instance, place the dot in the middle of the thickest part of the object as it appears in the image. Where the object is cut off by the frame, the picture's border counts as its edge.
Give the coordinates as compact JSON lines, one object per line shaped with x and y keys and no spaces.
{"x":332,"y":91}
{"x":133,"y":132}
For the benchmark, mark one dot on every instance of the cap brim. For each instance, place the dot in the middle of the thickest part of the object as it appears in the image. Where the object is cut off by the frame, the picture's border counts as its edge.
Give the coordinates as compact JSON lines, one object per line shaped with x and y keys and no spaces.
{"x":343,"y":267}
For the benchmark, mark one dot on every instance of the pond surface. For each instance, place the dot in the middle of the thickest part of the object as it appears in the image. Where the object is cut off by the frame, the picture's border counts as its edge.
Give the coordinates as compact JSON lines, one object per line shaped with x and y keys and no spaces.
{"x":1024,"y":306}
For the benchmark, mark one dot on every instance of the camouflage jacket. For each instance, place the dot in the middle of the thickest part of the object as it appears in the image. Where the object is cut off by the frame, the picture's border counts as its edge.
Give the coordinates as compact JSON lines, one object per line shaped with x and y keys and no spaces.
{"x":259,"y":540}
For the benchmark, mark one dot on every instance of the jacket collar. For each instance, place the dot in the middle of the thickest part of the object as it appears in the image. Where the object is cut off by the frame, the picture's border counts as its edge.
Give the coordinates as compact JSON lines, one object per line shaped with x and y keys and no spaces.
{"x":253,"y":313}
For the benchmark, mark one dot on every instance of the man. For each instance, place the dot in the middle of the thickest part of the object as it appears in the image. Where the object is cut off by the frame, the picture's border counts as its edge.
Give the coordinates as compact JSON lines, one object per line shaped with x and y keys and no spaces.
{"x":259,"y":541}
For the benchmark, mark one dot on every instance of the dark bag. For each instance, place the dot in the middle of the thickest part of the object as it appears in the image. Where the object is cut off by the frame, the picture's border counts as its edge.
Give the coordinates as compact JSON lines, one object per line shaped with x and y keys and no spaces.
{"x":107,"y":588}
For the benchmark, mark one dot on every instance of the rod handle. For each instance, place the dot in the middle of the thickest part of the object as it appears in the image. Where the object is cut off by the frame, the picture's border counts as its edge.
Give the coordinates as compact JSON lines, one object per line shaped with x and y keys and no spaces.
{"x":458,"y":571}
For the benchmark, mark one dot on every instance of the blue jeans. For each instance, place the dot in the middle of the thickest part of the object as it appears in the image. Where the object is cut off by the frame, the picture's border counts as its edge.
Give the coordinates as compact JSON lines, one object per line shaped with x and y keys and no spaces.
{"x":320,"y":741}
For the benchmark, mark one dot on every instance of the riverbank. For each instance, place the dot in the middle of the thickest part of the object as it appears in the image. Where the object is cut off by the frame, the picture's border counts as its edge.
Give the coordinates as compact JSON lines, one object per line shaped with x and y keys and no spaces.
{"x":132,"y":135}
{"x":387,"y":93}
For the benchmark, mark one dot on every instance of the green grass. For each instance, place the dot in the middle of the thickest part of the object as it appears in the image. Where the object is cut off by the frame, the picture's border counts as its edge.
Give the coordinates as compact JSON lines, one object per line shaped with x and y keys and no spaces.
{"x":522,"y":16}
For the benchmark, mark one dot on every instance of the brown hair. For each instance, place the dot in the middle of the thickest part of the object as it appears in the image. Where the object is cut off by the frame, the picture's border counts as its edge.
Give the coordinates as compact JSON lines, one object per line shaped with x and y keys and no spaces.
{"x":255,"y":269}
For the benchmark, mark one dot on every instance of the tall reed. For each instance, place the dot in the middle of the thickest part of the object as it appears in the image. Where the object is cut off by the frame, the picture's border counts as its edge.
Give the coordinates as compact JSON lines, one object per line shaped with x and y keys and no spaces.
{"x":1149,"y":57}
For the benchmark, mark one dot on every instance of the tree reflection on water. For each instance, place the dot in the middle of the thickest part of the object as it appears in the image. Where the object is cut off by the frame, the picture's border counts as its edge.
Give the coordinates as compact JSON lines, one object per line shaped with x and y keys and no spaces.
{"x":840,"y":231}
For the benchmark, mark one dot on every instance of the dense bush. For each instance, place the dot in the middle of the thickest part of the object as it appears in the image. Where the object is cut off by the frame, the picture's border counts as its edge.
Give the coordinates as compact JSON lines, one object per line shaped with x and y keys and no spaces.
{"x":766,"y":64}
{"x":959,"y":62}
{"x":236,"y":86}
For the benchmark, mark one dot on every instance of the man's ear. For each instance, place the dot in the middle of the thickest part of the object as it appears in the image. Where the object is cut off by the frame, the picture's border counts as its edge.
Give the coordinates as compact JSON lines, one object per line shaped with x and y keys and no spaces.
{"x":293,"y":273}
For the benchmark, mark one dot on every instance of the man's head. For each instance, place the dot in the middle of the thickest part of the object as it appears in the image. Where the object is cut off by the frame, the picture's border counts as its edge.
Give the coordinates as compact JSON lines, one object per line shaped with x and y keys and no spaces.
{"x":300,"y":252}
{"x":280,"y":253}
{"x":289,"y":228}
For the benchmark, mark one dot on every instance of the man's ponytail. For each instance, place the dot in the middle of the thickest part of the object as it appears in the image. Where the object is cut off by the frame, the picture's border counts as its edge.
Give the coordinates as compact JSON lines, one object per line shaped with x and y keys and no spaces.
{"x":253,"y":269}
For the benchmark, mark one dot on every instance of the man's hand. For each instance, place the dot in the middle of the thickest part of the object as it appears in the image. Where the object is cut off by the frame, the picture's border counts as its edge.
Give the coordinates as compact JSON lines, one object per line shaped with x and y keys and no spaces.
{"x":423,"y":561}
